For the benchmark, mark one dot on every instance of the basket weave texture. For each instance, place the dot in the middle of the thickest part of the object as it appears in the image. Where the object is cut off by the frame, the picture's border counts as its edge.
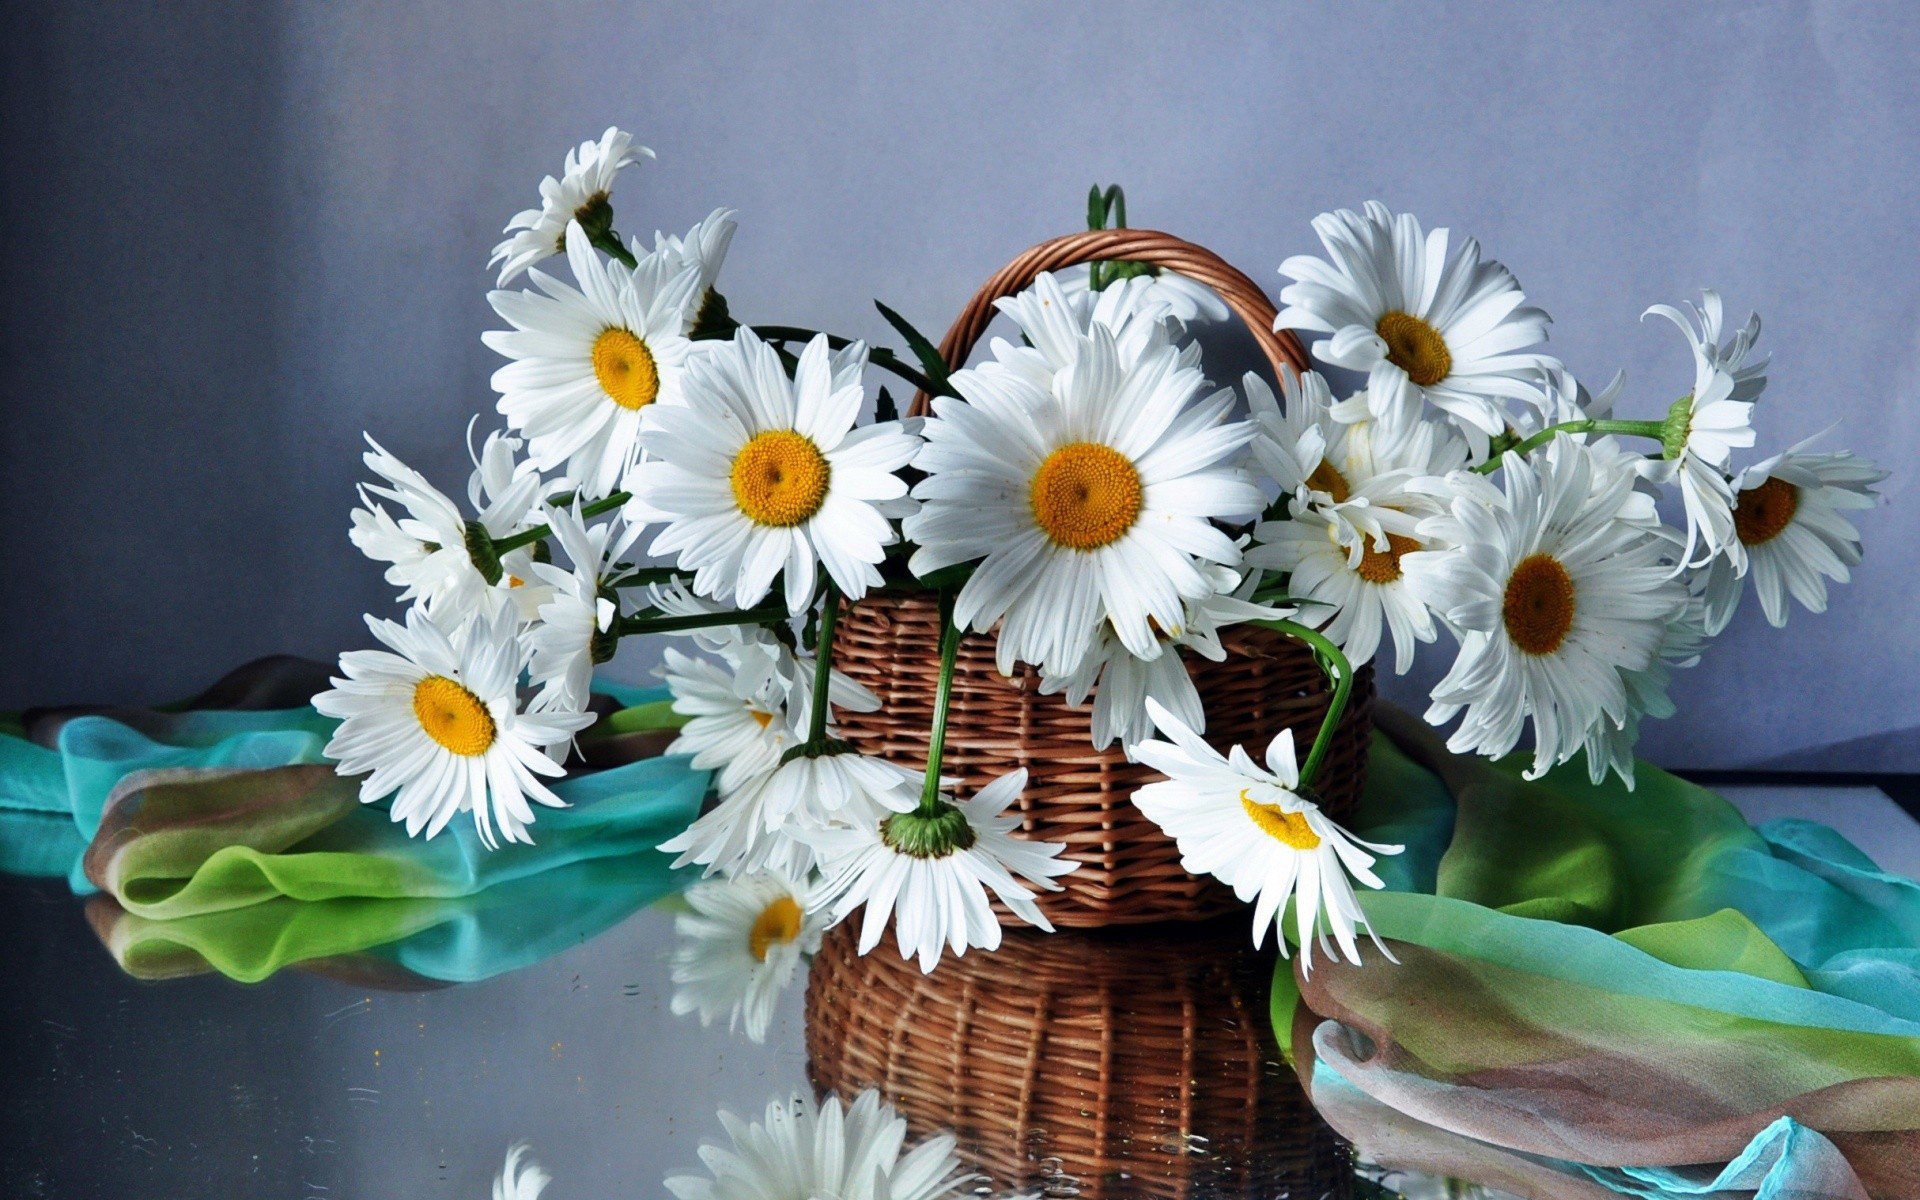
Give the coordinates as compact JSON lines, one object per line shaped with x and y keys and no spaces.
{"x":1111,"y":1064}
{"x":1129,"y":870}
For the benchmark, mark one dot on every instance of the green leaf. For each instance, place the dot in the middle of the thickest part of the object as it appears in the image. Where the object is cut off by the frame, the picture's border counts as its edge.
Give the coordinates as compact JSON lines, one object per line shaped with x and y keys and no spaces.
{"x":924,"y":350}
{"x":1096,"y":208}
{"x":657,"y":714}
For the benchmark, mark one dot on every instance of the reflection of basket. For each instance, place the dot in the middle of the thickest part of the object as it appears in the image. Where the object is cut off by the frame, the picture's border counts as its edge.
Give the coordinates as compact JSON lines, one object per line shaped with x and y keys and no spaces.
{"x":1117,"y":1064}
{"x":1129,"y":871}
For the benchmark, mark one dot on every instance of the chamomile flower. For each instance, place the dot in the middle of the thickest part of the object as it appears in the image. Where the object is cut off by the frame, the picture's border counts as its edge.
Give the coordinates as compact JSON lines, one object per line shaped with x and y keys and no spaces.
{"x":1092,"y":502}
{"x":1789,"y":532}
{"x":521,"y":1178}
{"x":930,"y":874}
{"x":1701,"y":325}
{"x":579,"y":194}
{"x":1121,"y":684}
{"x":1251,"y":828}
{"x":578,"y":613}
{"x":588,"y":360}
{"x":703,"y":250}
{"x":737,"y":836}
{"x":759,"y":475}
{"x":1355,"y":603}
{"x":435,"y":553}
{"x":1555,"y":597}
{"x":434,"y":721}
{"x":1398,"y":302}
{"x":1054,"y":318}
{"x":738,"y":720}
{"x":1179,"y":298}
{"x":739,"y":948}
{"x":807,"y":1151}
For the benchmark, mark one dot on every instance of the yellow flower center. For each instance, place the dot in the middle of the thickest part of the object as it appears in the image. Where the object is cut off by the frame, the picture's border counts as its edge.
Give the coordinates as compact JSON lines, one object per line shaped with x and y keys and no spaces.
{"x":780,"y":478}
{"x":1086,"y":495}
{"x":1383,"y":566}
{"x":625,"y":368}
{"x":1290,"y":828}
{"x":1761,"y":513}
{"x":452,"y":715}
{"x":1327,"y":478}
{"x":762,"y":719}
{"x":1415,"y":347}
{"x":777,"y":925}
{"x":1539,"y":604}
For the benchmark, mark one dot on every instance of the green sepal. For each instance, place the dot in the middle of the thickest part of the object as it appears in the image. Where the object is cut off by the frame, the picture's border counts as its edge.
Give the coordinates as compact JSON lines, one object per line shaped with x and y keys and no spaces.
{"x":480,"y":548}
{"x":922,"y":834}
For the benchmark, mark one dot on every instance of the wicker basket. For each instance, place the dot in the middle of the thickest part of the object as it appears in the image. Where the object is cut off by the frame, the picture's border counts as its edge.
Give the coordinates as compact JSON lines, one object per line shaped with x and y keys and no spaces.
{"x":1129,"y":871}
{"x":1107,"y":1064}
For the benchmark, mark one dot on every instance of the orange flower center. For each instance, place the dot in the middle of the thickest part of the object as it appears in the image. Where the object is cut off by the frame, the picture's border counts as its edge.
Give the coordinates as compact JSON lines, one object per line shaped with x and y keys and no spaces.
{"x":1539,"y":605}
{"x":1415,"y":347}
{"x":1762,"y":513}
{"x":1086,"y":495}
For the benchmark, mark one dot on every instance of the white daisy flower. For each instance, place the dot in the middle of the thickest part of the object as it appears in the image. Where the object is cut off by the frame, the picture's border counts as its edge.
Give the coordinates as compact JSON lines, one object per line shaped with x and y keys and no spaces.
{"x":1354,"y":602}
{"x":1054,"y":318}
{"x":929,"y":875}
{"x":581,"y":194}
{"x":568,"y":641}
{"x":804,"y":1151}
{"x":1093,"y":502}
{"x":739,"y":948}
{"x":437,"y":724}
{"x":1121,"y":684}
{"x":1555,"y":597}
{"x":588,"y":360}
{"x":736,"y":836}
{"x":1180,"y":299}
{"x":1252,"y":829}
{"x":738,"y":719}
{"x":1396,"y":302}
{"x":1789,"y":532}
{"x":521,"y":1178}
{"x":703,"y":250}
{"x":758,"y":475}
{"x":1609,"y":746}
{"x":1701,"y":325}
{"x":432,"y":550}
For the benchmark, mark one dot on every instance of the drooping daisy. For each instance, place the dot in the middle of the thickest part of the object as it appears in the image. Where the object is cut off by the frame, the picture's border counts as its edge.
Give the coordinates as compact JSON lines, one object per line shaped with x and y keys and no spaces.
{"x":437,"y":555}
{"x":929,"y":875}
{"x":1089,"y":503}
{"x":1121,"y":684}
{"x":1555,"y":597}
{"x":1252,"y":829}
{"x":758,"y":475}
{"x":580,"y":194}
{"x":1789,"y":532}
{"x":568,"y":641}
{"x":738,"y":720}
{"x":436,"y":724}
{"x":736,"y":836}
{"x":1701,"y":325}
{"x":521,"y":1178}
{"x":807,"y":1151}
{"x":588,"y":360}
{"x":739,"y":948}
{"x":1397,"y":302}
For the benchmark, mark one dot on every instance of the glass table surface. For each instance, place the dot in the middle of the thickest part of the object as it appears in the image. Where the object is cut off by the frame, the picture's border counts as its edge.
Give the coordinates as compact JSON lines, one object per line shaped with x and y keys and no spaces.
{"x":346,"y":1078}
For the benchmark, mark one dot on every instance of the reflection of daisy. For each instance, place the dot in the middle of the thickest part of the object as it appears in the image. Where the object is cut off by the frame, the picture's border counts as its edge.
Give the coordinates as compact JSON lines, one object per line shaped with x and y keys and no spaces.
{"x":1251,"y":829}
{"x":521,"y":1178}
{"x":930,"y":875}
{"x":1396,"y":303}
{"x":432,"y":548}
{"x":567,"y":642}
{"x":737,"y":719}
{"x":589,"y":359}
{"x":739,"y":948}
{"x":1789,"y":532}
{"x":1554,"y":597}
{"x":579,"y":194}
{"x":1121,"y":684}
{"x":759,"y":475}
{"x":438,"y":722}
{"x":1090,"y":502}
{"x":804,"y":1151}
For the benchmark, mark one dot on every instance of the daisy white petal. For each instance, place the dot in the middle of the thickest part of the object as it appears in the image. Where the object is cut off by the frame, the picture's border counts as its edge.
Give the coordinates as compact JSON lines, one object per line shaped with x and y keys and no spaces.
{"x":579,"y":193}
{"x":740,"y":947}
{"x":521,"y":1178}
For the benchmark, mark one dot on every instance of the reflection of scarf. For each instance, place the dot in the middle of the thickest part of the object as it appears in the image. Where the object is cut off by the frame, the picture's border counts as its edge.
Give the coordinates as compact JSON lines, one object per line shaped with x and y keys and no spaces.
{"x":1636,"y":981}
{"x":223,"y":841}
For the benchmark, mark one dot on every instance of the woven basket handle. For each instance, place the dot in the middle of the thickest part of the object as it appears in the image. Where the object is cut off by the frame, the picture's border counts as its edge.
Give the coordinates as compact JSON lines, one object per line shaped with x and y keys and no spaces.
{"x":1240,"y":294}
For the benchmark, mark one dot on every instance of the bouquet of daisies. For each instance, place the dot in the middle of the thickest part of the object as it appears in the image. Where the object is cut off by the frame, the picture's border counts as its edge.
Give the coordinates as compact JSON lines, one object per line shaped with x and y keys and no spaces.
{"x":1085,"y":495}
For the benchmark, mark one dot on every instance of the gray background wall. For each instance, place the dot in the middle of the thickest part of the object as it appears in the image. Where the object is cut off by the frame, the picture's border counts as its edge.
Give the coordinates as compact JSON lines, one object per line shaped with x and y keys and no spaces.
{"x":239,"y":235}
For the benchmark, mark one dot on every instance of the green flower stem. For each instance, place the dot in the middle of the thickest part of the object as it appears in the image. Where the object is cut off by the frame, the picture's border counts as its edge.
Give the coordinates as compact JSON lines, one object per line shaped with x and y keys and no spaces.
{"x":610,"y":244}
{"x":950,"y":635}
{"x":527,"y":537}
{"x":879,"y":356}
{"x":640,"y":622}
{"x":1648,"y":429}
{"x":1340,"y":671}
{"x":823,"y":667}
